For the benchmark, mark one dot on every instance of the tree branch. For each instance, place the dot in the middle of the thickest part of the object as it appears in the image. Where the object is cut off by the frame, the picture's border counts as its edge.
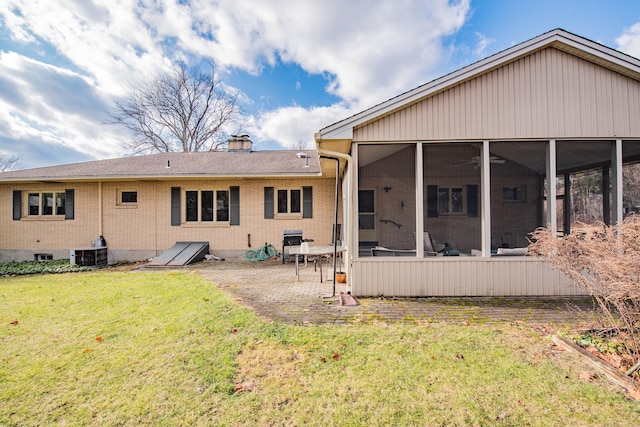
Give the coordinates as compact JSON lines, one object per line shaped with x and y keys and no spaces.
{"x":184,"y":110}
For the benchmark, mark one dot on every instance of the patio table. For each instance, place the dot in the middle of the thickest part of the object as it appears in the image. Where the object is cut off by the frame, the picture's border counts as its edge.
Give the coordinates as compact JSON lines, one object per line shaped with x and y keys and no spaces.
{"x":318,"y":251}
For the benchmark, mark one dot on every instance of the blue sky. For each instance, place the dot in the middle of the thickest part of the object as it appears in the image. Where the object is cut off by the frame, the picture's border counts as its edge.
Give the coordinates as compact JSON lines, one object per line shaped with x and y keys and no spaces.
{"x":298,"y":65}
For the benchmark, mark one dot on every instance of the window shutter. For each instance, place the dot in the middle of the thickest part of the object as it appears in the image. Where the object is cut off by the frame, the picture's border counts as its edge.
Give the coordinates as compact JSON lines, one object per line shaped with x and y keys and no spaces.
{"x":472,"y":200}
{"x":17,"y":205}
{"x":175,"y":206}
{"x":234,"y":204}
{"x":307,"y":202}
{"x":69,"y":204}
{"x":268,"y":202}
{"x":432,"y":201}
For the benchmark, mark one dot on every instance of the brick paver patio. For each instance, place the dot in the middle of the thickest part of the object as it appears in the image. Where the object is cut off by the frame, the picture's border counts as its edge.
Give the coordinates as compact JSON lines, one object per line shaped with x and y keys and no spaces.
{"x":272,"y":291}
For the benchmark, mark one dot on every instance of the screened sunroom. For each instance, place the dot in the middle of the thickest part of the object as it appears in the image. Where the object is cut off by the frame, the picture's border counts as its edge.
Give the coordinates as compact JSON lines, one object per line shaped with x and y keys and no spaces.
{"x":443,"y":184}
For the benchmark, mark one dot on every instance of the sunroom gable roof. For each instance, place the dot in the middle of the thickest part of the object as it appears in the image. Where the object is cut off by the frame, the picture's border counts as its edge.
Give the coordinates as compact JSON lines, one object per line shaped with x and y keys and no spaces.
{"x":559,"y":39}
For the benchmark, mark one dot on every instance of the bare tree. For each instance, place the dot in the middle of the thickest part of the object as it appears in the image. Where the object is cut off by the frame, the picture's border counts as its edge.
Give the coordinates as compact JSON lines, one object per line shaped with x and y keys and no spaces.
{"x":8,"y":163}
{"x":183,"y":110}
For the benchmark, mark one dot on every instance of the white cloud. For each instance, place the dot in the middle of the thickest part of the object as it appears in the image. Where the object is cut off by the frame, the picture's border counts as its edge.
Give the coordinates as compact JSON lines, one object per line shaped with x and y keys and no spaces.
{"x":375,"y":50}
{"x":372,"y":50}
{"x":288,"y":125}
{"x":43,"y":102}
{"x":483,"y":43}
{"x":629,"y":41}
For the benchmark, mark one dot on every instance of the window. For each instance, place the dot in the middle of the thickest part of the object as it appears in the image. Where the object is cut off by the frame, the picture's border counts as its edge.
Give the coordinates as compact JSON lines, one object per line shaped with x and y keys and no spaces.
{"x":42,"y":257}
{"x":44,"y":205}
{"x":222,"y":205}
{"x":516,"y":194}
{"x":206,"y":206}
{"x":289,"y":201}
{"x":450,"y":201}
{"x":49,"y":204}
{"x":366,"y":210}
{"x":127,"y":198}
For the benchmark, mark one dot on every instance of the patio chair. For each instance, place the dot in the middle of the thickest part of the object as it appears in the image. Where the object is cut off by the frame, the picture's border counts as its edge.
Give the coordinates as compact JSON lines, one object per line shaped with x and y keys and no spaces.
{"x":380,"y":251}
{"x":427,"y":245}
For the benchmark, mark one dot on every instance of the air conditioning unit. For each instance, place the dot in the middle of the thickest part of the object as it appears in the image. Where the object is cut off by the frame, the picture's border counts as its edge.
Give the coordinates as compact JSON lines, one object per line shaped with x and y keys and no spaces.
{"x":88,"y":257}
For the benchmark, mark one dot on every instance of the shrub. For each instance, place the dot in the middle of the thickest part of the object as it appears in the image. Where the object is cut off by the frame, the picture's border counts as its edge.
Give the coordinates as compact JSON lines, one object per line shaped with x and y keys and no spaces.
{"x":606,"y":262}
{"x":39,"y":267}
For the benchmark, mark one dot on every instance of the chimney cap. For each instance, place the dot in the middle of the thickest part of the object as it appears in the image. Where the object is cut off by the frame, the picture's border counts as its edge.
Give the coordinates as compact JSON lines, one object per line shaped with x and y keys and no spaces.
{"x":240,"y":143}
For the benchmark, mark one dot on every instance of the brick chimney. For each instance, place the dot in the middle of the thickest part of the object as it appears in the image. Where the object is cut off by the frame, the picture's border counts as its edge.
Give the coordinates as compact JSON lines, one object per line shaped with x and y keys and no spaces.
{"x":239,"y":144}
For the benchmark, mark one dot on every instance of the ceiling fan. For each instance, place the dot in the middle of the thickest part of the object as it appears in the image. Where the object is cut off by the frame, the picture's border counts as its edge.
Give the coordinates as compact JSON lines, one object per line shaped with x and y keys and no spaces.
{"x":476,"y":160}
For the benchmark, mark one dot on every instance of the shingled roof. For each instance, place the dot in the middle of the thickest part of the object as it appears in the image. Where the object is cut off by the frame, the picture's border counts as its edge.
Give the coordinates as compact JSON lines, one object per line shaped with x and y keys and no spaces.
{"x":165,"y":166}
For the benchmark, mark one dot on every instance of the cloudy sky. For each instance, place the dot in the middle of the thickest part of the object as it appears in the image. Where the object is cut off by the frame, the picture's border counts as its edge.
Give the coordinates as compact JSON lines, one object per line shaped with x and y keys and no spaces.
{"x":299,"y":65}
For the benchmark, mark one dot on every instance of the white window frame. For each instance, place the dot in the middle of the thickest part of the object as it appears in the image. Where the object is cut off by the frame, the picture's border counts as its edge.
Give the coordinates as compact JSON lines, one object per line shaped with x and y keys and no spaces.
{"x":368,"y":214}
{"x":449,"y":210}
{"x":123,"y":204}
{"x":288,"y":213}
{"x":40,"y":214}
{"x":215,"y":219}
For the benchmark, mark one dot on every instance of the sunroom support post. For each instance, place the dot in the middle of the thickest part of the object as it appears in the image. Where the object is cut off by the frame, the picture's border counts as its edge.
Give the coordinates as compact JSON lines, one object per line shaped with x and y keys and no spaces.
{"x":552,"y":215}
{"x":419,"y":202}
{"x":616,"y":181}
{"x":485,"y":205}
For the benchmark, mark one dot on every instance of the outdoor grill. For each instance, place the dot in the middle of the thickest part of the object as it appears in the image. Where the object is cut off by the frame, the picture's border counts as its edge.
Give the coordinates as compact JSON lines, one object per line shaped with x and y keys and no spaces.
{"x":292,"y":238}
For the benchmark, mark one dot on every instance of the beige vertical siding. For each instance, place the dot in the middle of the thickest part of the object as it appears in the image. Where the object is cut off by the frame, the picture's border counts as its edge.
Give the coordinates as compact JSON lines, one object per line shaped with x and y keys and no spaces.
{"x":508,"y":276}
{"x":548,"y":94}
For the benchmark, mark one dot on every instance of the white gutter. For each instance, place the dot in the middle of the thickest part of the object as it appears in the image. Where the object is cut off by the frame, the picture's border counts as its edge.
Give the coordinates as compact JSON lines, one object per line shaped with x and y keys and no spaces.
{"x":350,"y":235}
{"x":185,"y":177}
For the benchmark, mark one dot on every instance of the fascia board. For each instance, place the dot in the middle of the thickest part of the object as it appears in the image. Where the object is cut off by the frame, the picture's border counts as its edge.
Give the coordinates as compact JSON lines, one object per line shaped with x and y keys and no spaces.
{"x":154,"y":178}
{"x":342,"y":132}
{"x":602,"y":53}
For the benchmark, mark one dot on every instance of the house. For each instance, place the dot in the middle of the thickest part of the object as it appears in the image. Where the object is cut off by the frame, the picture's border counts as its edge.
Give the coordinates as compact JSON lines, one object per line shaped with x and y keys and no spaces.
{"x":236,"y":200}
{"x":476,"y":160}
{"x":439,"y":186}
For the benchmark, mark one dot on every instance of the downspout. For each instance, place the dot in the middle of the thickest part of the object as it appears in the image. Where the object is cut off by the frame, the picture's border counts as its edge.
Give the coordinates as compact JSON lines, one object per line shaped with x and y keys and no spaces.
{"x":347,"y":158}
{"x":100,"y":224}
{"x":335,"y":220}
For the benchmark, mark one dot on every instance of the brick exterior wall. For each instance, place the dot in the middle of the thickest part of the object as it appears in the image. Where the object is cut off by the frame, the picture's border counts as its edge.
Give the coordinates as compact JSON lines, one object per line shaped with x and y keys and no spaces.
{"x":136,"y":232}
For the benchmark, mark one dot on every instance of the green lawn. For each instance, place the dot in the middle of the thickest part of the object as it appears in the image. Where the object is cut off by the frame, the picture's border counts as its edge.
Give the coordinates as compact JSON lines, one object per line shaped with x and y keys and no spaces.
{"x":137,"y":348}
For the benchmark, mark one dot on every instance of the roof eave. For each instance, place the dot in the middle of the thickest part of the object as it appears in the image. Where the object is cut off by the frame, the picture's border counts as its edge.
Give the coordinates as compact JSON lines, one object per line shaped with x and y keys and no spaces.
{"x":184,"y":177}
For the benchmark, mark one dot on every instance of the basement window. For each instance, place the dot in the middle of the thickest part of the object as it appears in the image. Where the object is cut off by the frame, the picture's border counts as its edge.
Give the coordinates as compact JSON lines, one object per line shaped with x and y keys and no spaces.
{"x":42,"y":257}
